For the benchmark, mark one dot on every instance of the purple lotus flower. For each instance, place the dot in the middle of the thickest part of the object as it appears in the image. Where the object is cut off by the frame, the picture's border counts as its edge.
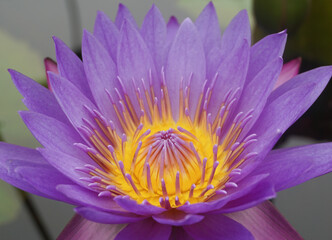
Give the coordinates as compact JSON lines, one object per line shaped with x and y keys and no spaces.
{"x":168,"y":129}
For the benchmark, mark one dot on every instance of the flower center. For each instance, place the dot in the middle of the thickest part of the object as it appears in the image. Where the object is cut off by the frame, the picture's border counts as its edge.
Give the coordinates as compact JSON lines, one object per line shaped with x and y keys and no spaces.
{"x":167,"y":166}
{"x":165,"y":162}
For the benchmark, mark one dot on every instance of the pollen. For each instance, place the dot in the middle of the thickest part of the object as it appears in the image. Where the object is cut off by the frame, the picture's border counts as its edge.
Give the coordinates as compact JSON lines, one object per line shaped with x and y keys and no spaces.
{"x":166,"y":162}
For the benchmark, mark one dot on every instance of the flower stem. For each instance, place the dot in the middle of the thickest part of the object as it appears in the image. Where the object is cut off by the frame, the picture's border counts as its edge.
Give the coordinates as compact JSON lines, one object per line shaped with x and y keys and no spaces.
{"x":34,"y":214}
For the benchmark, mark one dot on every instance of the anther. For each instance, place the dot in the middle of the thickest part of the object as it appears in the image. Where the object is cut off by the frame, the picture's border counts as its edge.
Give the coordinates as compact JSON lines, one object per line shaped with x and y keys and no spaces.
{"x":237,"y":117}
{"x":251,"y":136}
{"x":250,"y":155}
{"x":148,"y":177}
{"x":93,"y":185}
{"x":121,"y":166}
{"x":203,"y":170}
{"x":105,"y":194}
{"x":249,"y":142}
{"x":177,"y":201}
{"x":162,"y":202}
{"x":122,"y":85}
{"x":231,"y":185}
{"x":167,"y":203}
{"x":186,"y":132}
{"x":215,"y":165}
{"x":135,"y":156}
{"x":215,"y":152}
{"x":128,"y":176}
{"x":209,"y":187}
{"x":163,"y":187}
{"x":192,"y":188}
{"x":221,"y":192}
{"x":192,"y":147}
{"x":177,"y":183}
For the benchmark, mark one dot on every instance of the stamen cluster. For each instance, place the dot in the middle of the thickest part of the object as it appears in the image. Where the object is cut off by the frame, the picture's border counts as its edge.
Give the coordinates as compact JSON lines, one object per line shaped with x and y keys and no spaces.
{"x":162,"y":161}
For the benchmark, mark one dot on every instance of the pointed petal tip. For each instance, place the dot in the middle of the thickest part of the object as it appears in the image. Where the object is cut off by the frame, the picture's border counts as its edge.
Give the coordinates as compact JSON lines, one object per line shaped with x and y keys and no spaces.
{"x":86,"y":34}
{"x":100,"y":13}
{"x":13,"y":73}
{"x":101,"y":17}
{"x":56,"y":39}
{"x":243,"y":14}
{"x":23,"y":114}
{"x":154,"y":6}
{"x":154,"y":9}
{"x":50,"y":65}
{"x":121,"y":6}
{"x":187,"y":20}
{"x":58,"y":43}
{"x":209,"y":6}
{"x":173,"y":19}
{"x":48,"y":60}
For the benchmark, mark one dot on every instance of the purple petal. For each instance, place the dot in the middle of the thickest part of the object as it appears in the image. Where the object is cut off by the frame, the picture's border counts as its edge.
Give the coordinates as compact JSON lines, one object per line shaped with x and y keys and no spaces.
{"x":107,"y":34}
{"x":11,"y":151}
{"x":71,"y":67}
{"x":44,"y":178}
{"x":185,"y":59}
{"x":262,"y":192}
{"x":172,"y":28}
{"x":107,"y":217}
{"x":85,"y":197}
{"x":256,"y":92}
{"x":236,"y":32}
{"x":292,"y":166}
{"x":144,"y":230}
{"x":179,"y":233}
{"x":265,"y":222}
{"x":10,"y":155}
{"x":124,"y":14}
{"x":8,"y":174}
{"x":208,"y":28}
{"x":134,"y":207}
{"x":53,"y":134}
{"x":213,"y":61}
{"x":72,"y":101}
{"x":287,"y":103}
{"x":154,"y":34}
{"x":80,"y":228}
{"x":264,"y":51}
{"x":66,"y":164}
{"x":36,"y":97}
{"x":135,"y":63}
{"x":289,"y":70}
{"x":101,"y":73}
{"x":245,"y":187}
{"x":177,"y":218}
{"x":215,"y":227}
{"x":235,"y":67}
